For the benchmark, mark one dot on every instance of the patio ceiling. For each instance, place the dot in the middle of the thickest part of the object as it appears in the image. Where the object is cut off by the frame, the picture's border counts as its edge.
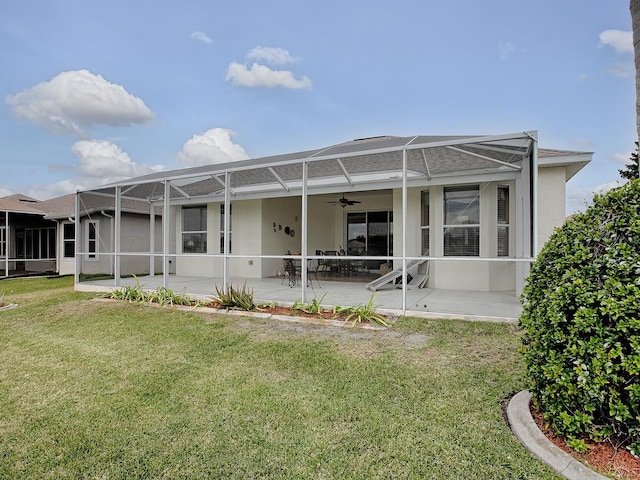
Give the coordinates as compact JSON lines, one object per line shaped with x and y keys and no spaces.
{"x":355,"y":165}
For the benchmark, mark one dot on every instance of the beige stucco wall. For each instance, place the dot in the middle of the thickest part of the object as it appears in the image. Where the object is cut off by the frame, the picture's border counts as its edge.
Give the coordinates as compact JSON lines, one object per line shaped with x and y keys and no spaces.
{"x":551,"y":201}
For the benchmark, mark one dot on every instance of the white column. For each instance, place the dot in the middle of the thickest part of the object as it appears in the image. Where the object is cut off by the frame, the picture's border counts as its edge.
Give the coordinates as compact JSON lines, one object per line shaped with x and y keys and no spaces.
{"x":76,"y":229}
{"x":404,"y":231}
{"x":165,"y":234}
{"x":152,"y":240}
{"x":7,"y":244}
{"x":225,"y":248}
{"x":117,"y":221}
{"x":303,"y":263}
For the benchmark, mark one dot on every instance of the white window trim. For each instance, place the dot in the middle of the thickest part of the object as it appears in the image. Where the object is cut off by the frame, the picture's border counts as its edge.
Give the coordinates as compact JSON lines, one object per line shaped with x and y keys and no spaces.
{"x":3,"y":241}
{"x":92,"y":257}
{"x":183,"y":231}
{"x":446,"y":227}
{"x":65,"y":240}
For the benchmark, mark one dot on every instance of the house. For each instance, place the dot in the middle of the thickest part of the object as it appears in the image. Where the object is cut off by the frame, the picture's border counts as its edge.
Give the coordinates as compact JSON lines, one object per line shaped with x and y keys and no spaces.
{"x":477,"y":208}
{"x":40,"y":238}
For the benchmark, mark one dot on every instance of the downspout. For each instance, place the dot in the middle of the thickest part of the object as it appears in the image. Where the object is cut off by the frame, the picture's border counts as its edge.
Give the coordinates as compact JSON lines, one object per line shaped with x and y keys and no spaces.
{"x":534,"y":197}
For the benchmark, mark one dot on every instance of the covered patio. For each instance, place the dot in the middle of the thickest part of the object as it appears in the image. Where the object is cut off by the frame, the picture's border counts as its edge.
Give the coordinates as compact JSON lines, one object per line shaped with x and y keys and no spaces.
{"x":466,"y":205}
{"x":426,"y":302}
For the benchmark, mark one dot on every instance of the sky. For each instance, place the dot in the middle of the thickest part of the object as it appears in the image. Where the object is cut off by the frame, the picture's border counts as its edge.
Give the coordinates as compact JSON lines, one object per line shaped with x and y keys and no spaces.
{"x":94,"y":92}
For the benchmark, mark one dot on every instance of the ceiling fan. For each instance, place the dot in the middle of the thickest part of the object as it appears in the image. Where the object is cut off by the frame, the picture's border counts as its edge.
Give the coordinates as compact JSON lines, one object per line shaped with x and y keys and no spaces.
{"x":343,"y":202}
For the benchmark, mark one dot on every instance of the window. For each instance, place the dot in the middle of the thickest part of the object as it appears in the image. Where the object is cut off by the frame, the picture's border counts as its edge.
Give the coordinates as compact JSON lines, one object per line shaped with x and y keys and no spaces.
{"x":424,"y":228}
{"x":68,"y":240}
{"x":462,"y":221}
{"x":222,"y":227}
{"x":503,"y":221}
{"x":92,"y":233}
{"x":40,"y":243}
{"x":194,"y":229}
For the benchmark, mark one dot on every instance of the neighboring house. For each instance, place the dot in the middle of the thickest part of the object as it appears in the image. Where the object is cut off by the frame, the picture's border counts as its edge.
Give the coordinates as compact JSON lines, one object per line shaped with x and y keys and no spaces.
{"x":478,"y":207}
{"x":40,"y":235}
{"x":27,"y":239}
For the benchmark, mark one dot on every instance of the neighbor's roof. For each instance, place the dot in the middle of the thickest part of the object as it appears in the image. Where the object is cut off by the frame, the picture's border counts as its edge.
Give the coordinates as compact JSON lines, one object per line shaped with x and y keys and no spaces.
{"x":12,"y":205}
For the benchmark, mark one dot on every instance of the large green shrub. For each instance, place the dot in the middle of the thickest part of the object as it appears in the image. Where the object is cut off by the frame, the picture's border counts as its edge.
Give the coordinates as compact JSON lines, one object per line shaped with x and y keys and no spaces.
{"x":581,"y":321}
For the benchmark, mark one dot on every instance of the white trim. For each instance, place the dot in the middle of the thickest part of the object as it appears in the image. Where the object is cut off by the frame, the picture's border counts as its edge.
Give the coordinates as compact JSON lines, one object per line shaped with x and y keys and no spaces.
{"x":92,"y":256}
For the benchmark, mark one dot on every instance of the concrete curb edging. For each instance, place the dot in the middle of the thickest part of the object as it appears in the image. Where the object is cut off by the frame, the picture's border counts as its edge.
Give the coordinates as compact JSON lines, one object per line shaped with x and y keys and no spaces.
{"x":527,"y":431}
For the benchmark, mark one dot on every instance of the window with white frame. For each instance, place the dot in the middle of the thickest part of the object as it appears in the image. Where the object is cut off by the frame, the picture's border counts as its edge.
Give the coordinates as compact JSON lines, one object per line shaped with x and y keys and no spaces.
{"x":3,"y":242}
{"x":424,"y":224}
{"x":462,"y":221}
{"x":91,"y":239}
{"x":40,"y":243}
{"x":194,"y":229}
{"x":503,"y":221}
{"x":222,"y":227}
{"x":68,"y":240}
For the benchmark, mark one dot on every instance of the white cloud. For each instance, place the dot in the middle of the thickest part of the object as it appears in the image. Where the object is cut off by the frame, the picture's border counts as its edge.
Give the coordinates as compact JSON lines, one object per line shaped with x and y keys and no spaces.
{"x":71,"y":102}
{"x":101,"y":162}
{"x":5,"y":192}
{"x":578,"y":199}
{"x":102,"y":159}
{"x":621,"y":41}
{"x":271,"y":55}
{"x":622,"y":70}
{"x":213,"y":146}
{"x":505,"y":50}
{"x":621,"y":158}
{"x":201,"y":36}
{"x":263,"y":76}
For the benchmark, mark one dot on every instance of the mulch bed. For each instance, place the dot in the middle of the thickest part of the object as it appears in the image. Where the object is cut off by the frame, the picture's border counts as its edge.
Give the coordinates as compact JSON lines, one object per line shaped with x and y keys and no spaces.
{"x":603,"y":457}
{"x":288,"y":311}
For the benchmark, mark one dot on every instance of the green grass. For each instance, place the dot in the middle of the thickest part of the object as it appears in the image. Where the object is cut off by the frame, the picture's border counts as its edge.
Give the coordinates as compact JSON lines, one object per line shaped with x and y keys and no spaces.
{"x":119,"y":390}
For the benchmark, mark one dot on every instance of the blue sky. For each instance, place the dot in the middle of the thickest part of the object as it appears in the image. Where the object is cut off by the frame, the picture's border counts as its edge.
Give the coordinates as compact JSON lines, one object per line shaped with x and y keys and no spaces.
{"x":97,"y":91}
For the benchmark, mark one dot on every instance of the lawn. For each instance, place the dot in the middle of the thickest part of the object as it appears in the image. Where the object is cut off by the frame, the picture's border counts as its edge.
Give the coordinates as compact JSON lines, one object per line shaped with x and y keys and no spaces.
{"x":118,"y":390}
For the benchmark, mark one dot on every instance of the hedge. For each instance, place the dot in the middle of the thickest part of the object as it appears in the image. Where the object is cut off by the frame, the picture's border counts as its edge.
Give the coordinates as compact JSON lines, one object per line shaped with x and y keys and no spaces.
{"x":581,"y":322}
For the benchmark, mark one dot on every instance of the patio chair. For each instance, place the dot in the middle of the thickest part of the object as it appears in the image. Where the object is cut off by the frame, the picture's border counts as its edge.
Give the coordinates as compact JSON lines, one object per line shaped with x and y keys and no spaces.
{"x":313,"y":266}
{"x":290,"y":272}
{"x":332,"y":264}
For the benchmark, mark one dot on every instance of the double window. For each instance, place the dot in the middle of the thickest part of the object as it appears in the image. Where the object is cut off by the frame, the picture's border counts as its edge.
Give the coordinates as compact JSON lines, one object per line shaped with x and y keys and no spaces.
{"x":462,"y":221}
{"x":194,"y":229}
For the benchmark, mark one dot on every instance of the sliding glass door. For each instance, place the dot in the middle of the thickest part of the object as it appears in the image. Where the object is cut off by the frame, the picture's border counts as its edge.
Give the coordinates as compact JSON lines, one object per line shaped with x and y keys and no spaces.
{"x":370,"y":233}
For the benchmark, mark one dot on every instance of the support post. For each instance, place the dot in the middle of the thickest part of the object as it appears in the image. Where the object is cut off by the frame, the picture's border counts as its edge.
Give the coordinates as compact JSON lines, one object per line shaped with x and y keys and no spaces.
{"x":165,"y":233}
{"x":152,"y":240}
{"x":225,"y":249}
{"x":404,"y":231}
{"x":77,"y":259}
{"x":303,"y":263}
{"x":116,"y":235}
{"x":7,"y":244}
